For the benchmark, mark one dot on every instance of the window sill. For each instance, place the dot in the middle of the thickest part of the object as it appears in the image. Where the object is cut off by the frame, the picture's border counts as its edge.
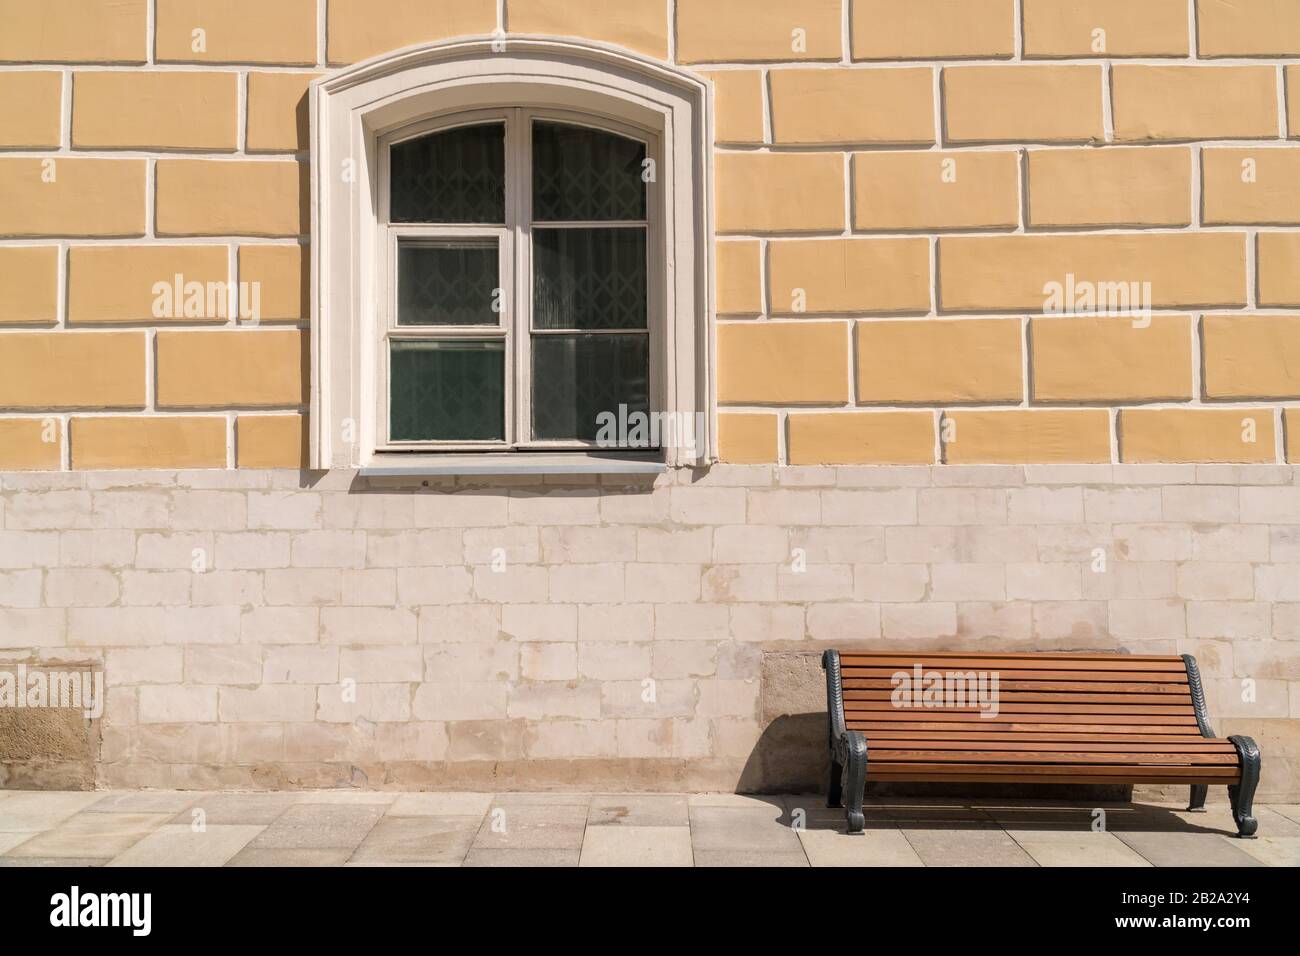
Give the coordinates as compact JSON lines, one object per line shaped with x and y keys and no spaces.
{"x":570,"y":463}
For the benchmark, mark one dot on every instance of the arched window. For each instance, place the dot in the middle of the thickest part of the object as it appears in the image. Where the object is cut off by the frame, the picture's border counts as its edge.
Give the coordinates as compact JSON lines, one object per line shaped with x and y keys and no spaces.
{"x":510,"y":262}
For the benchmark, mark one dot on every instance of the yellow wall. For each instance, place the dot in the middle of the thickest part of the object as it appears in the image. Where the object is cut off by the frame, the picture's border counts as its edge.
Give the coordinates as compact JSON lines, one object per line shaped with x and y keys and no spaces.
{"x":897,"y":183}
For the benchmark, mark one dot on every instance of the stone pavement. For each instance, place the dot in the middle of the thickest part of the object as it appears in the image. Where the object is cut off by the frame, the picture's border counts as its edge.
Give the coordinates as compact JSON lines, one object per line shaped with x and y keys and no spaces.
{"x":370,"y":828}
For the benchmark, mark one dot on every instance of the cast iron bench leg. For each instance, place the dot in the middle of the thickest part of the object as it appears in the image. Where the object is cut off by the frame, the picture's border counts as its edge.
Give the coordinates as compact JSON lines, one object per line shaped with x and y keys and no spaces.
{"x":1243,"y":794}
{"x":834,"y":788}
{"x":855,"y":767}
{"x":1197,"y":802}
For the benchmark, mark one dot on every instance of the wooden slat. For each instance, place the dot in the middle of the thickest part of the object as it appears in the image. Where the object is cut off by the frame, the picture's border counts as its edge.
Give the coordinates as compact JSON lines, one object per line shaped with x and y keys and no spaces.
{"x":1012,"y":655}
{"x":1073,"y":758}
{"x":875,"y":747}
{"x":1049,"y":686}
{"x":1047,"y":772}
{"x":1152,"y":677}
{"x":1031,"y":727}
{"x":1046,"y":707}
{"x":1183,"y":739}
{"x":1036,"y":697}
{"x":1135,"y":775}
{"x":940,"y":716}
{"x":1114,"y":662}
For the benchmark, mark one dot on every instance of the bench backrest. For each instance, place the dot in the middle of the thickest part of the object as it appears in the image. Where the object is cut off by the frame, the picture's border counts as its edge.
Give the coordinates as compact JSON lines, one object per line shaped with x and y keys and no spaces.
{"x":1038,"y":696}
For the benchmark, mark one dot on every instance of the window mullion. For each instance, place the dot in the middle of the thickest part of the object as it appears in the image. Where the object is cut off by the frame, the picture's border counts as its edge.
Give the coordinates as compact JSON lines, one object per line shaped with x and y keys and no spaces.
{"x":523,"y":314}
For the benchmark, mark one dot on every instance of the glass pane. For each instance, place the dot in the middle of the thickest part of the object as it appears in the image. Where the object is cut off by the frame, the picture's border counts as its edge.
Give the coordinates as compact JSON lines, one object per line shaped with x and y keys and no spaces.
{"x":455,"y":176}
{"x":448,"y":282}
{"x":447,"y":391}
{"x":589,"y":278}
{"x":582,"y":175}
{"x":576,"y":377}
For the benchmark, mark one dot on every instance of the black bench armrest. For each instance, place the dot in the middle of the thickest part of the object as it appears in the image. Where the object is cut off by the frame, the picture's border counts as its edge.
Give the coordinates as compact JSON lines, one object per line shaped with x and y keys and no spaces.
{"x":834,"y":695}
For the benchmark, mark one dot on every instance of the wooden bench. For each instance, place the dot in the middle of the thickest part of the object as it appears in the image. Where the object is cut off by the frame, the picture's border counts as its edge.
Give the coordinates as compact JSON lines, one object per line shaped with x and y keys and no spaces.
{"x":1060,"y":718}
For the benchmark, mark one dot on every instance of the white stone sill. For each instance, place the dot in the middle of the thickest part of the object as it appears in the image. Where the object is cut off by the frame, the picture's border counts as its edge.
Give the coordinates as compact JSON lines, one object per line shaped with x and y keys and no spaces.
{"x":569,"y":463}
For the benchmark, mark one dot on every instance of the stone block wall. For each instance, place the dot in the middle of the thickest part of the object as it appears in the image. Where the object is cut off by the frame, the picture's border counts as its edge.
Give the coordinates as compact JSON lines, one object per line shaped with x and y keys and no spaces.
{"x":258,"y":630}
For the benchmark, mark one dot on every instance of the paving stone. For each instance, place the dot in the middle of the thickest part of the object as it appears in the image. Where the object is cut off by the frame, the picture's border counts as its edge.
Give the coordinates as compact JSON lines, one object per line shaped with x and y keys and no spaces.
{"x":1272,"y":851}
{"x":146,"y":801}
{"x":291,"y":856}
{"x":542,"y":799}
{"x":72,"y":861}
{"x":742,"y":828}
{"x":749,"y":858}
{"x":181,"y":845}
{"x":10,"y":840}
{"x":317,"y":825}
{"x":533,"y":827}
{"x":639,"y":810}
{"x":30,"y":811}
{"x":440,"y":805}
{"x":377,"y":797}
{"x":92,"y":835}
{"x":735,"y":800}
{"x":1188,"y":849}
{"x":1074,"y":848}
{"x":517,"y":857}
{"x":970,"y":845}
{"x":427,"y":839}
{"x":238,"y":808}
{"x":637,"y":846}
{"x":883,"y":847}
{"x":1289,"y":810}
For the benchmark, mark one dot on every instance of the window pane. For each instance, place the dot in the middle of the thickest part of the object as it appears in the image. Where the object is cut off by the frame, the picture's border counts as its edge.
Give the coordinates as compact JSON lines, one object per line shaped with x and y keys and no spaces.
{"x":582,"y":175}
{"x":576,"y":377}
{"x":455,"y":176}
{"x":589,"y":278}
{"x":448,"y":282}
{"x":447,"y":391}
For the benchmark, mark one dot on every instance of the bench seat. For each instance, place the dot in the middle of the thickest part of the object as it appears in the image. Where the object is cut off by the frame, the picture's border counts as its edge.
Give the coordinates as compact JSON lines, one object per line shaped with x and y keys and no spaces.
{"x":1041,"y":718}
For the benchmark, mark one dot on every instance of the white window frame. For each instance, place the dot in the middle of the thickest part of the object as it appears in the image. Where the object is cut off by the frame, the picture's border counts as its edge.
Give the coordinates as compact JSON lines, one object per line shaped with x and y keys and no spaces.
{"x":514,"y":244}
{"x":356,"y":113}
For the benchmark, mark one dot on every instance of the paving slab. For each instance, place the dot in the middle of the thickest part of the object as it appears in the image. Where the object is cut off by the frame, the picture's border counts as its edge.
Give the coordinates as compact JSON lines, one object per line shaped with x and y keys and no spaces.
{"x":181,"y":845}
{"x":533,"y":827}
{"x":749,"y":858}
{"x":524,"y":798}
{"x":440,"y":805}
{"x":1073,"y":848}
{"x":654,"y":846}
{"x":291,"y":856}
{"x":146,"y":801}
{"x":1188,"y":849}
{"x":30,"y":811}
{"x":1272,"y":851}
{"x":521,"y":857}
{"x":427,"y":839}
{"x":318,"y":825}
{"x":1289,"y":810}
{"x":639,"y":810}
{"x":92,"y":835}
{"x":869,"y":848}
{"x":971,"y":844}
{"x":742,"y":828}
{"x":73,"y":861}
{"x":10,"y":840}
{"x":237,"y":808}
{"x":347,"y":797}
{"x":741,"y":800}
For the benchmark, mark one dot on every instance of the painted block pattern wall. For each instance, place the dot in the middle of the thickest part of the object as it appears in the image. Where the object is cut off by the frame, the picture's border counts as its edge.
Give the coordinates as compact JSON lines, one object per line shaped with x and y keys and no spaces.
{"x":898,"y":185}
